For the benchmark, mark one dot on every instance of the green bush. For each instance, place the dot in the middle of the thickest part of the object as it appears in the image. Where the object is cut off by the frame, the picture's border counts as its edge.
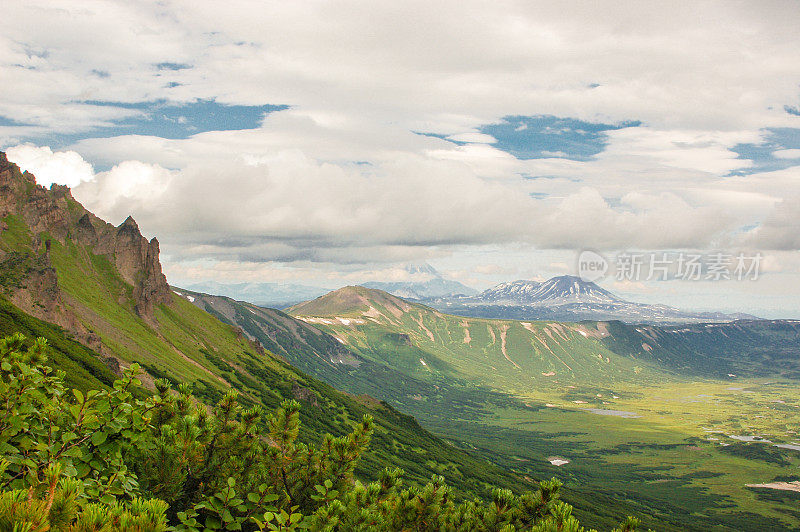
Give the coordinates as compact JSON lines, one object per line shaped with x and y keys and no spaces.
{"x":107,"y":461}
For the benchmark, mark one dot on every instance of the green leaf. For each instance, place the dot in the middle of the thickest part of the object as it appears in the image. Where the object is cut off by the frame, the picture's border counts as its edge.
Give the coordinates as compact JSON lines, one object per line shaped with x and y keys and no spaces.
{"x":78,"y":395}
{"x":98,"y":438}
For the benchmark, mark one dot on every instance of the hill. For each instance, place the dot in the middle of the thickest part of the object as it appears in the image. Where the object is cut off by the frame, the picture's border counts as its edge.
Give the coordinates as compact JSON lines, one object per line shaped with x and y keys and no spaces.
{"x":357,"y":301}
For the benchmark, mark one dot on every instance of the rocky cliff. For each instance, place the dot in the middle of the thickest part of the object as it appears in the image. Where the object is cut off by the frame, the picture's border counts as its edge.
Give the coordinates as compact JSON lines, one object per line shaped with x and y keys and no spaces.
{"x":27,"y":275}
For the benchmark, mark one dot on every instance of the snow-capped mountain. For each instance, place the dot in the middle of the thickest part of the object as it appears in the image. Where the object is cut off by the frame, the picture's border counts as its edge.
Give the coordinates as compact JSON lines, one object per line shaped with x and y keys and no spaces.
{"x":566,"y":298}
{"x":563,"y":289}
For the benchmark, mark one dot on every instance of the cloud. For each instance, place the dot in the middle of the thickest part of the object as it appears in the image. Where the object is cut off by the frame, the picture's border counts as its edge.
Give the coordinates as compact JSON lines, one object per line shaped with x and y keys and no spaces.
{"x":287,"y":206}
{"x":787,"y":154}
{"x":423,"y":67}
{"x":340,"y":179}
{"x":780,"y":230}
{"x":65,"y":167}
{"x":646,"y":221}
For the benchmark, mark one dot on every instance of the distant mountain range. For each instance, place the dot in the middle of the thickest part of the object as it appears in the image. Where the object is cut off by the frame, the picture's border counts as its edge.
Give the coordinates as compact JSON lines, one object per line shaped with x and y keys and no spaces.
{"x":276,"y":295}
{"x":430,"y":285}
{"x":562,"y":298}
{"x":567,"y":298}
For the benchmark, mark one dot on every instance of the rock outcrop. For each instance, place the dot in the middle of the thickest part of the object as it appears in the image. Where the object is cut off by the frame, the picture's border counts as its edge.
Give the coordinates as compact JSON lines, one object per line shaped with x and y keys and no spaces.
{"x":54,"y":212}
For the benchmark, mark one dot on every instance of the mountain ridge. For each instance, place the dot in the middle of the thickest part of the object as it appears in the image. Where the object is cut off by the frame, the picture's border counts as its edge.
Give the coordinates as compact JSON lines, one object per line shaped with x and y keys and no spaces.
{"x":564,"y":288}
{"x":274,"y":295}
{"x":568,"y":298}
{"x":53,"y":215}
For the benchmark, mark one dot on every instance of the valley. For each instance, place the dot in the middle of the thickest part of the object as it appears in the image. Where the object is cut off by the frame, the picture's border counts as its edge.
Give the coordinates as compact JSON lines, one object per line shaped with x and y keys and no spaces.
{"x":679,"y":397}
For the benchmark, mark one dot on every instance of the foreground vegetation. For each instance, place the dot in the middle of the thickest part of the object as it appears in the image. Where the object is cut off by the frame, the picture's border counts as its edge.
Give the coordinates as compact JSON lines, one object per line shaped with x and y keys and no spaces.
{"x":105,"y":460}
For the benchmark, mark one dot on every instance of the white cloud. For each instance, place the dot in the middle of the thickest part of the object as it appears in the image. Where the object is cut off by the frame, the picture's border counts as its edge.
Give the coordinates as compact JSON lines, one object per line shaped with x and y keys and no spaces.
{"x":341,"y":178}
{"x":780,"y":230}
{"x":287,"y":206}
{"x":64,"y":167}
{"x":444,"y":64}
{"x":787,"y":154}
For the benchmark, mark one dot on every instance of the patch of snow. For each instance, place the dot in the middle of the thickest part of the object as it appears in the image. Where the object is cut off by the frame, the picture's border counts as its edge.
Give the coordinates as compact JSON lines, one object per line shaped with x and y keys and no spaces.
{"x":190,"y":298}
{"x":423,"y":363}
{"x":176,"y":292}
{"x":557,"y":461}
{"x":785,"y":486}
{"x":756,"y":439}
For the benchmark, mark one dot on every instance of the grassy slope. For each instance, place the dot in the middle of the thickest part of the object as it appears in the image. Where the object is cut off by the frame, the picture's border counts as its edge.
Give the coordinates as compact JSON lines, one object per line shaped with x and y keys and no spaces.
{"x":83,"y":368}
{"x":700,"y":476}
{"x":190,"y":345}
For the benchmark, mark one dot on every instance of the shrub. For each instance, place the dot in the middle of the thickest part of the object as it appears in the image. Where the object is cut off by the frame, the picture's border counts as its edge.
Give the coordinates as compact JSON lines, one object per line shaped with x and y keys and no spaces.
{"x":107,"y":461}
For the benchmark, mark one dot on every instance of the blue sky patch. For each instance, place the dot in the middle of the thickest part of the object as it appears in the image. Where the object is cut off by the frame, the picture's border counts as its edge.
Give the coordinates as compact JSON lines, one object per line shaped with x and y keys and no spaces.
{"x":171,"y":121}
{"x":540,"y":137}
{"x":172,"y":66}
{"x":165,"y":119}
{"x":784,"y":138}
{"x":10,"y":122}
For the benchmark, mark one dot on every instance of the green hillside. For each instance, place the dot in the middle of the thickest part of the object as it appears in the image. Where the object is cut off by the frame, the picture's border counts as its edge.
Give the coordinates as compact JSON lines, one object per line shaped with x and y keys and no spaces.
{"x":521,"y":358}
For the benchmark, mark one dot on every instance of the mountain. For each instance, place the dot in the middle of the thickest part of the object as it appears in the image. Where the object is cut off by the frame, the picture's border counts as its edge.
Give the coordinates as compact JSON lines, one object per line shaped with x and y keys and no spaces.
{"x":352,"y":301}
{"x":602,"y":401}
{"x":430,"y":284}
{"x":276,"y":295}
{"x":97,"y":294}
{"x":558,"y":290}
{"x":568,"y":298}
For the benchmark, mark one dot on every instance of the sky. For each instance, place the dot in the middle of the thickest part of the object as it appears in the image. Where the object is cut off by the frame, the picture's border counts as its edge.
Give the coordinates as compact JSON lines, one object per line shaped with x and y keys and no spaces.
{"x":333,"y":143}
